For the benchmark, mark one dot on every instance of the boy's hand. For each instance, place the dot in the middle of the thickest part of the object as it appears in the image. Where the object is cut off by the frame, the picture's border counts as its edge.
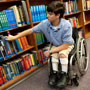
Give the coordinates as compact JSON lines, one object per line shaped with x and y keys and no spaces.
{"x":10,"y":37}
{"x":47,"y":54}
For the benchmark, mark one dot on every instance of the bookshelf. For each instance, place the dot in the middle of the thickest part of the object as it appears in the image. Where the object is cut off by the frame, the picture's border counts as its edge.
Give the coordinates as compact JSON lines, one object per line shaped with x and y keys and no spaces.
{"x":83,"y":19}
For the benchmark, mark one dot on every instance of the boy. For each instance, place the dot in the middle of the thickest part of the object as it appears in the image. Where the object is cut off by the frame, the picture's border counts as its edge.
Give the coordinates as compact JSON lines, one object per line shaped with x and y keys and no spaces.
{"x":59,"y":32}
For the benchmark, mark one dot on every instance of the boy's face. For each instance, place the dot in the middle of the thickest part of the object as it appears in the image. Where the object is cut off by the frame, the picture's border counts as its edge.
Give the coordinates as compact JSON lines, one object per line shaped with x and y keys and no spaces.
{"x":52,"y":17}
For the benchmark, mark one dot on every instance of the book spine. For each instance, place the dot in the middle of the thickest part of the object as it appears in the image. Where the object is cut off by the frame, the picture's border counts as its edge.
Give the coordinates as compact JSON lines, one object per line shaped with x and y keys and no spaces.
{"x":11,"y":18}
{"x":16,"y":13}
{"x":18,"y":45}
{"x":23,"y":42}
{"x":23,"y":65}
{"x":24,"y":7}
{"x":13,"y":44}
{"x":26,"y":63}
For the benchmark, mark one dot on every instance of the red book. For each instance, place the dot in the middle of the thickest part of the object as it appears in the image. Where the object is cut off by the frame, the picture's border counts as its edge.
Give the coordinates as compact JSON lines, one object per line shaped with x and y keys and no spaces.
{"x":27,"y":58}
{"x":23,"y":42}
{"x":2,"y":78}
{"x":25,"y":62}
{"x":23,"y":65}
{"x":26,"y":42}
{"x":30,"y":60}
{"x":74,"y":22}
{"x":40,"y":56}
{"x":1,"y":81}
{"x":43,"y":57}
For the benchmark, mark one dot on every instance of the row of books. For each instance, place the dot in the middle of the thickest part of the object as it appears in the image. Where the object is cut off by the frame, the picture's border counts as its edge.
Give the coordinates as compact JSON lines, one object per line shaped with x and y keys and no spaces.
{"x":86,"y":4}
{"x":38,"y":13}
{"x":18,"y":66}
{"x":74,"y":22}
{"x":39,"y":38}
{"x":8,"y":48}
{"x":14,"y":16}
{"x":70,"y":6}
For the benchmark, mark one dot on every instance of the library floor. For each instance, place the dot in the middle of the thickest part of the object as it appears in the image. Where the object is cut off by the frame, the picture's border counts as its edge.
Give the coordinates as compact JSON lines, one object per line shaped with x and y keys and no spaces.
{"x":39,"y":80}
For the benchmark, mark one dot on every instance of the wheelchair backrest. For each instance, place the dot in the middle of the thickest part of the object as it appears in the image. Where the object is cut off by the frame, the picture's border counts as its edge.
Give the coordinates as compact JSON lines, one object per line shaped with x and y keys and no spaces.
{"x":75,"y":34}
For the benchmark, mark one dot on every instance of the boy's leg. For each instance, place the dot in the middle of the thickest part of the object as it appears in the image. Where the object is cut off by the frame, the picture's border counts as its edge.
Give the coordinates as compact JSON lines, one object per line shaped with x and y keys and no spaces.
{"x":63,"y":55}
{"x":62,"y":81}
{"x":53,"y":75}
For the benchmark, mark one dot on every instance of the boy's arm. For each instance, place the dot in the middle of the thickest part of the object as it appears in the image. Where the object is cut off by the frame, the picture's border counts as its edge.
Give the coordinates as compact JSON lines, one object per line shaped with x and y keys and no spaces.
{"x":24,"y":33}
{"x":60,"y":48}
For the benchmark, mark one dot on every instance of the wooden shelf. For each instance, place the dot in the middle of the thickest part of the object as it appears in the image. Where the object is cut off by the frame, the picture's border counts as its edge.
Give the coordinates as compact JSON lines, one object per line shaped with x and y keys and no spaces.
{"x":14,"y":28}
{"x":40,"y":44}
{"x":88,"y":22}
{"x":17,"y":78}
{"x":79,"y":26}
{"x":8,"y":1}
{"x":30,"y":47}
{"x":36,"y":23}
{"x":87,"y":35}
{"x":86,"y":10}
{"x":72,"y":13}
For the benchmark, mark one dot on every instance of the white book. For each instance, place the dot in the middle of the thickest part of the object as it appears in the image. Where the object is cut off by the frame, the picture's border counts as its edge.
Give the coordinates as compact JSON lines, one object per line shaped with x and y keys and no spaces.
{"x":17,"y":16}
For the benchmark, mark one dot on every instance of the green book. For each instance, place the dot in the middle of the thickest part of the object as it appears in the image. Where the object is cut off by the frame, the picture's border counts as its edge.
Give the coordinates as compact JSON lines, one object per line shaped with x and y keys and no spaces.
{"x":4,"y":20}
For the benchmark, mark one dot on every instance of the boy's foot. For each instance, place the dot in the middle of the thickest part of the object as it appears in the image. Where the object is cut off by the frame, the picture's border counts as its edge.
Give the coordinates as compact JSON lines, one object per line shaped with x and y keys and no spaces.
{"x":52,"y":79}
{"x":62,"y":82}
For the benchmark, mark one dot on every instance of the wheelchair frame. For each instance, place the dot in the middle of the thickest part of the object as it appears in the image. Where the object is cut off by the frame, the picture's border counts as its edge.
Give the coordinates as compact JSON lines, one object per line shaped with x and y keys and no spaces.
{"x":75,"y":56}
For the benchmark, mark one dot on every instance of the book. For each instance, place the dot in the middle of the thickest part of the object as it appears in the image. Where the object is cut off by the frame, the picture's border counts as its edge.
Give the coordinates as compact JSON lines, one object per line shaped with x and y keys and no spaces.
{"x":11,"y":18}
{"x":21,"y":14}
{"x":22,"y":39}
{"x":16,"y":68}
{"x":3,"y":50}
{"x":20,"y":69}
{"x":23,"y":66}
{"x":13,"y":45}
{"x":2,"y":76}
{"x":26,"y":41}
{"x":16,"y":13}
{"x":7,"y":72}
{"x":27,"y":66}
{"x":18,"y":45}
{"x":6,"y":44}
{"x":3,"y":20}
{"x":25,"y":12}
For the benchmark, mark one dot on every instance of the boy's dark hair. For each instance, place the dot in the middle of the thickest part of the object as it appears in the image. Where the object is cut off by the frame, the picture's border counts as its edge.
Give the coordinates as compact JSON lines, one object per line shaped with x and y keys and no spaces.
{"x":56,"y":7}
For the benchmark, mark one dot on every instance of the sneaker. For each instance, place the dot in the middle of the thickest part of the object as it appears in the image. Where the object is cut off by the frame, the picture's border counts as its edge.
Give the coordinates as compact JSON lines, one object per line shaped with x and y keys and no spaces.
{"x":62,"y":81}
{"x":52,"y":79}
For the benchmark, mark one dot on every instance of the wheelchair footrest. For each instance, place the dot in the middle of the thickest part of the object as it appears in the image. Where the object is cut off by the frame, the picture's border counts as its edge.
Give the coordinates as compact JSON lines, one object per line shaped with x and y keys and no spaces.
{"x":74,"y":80}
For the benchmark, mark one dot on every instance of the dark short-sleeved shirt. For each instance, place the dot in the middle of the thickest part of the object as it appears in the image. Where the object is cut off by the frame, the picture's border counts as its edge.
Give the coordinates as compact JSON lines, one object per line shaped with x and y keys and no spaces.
{"x":63,"y":33}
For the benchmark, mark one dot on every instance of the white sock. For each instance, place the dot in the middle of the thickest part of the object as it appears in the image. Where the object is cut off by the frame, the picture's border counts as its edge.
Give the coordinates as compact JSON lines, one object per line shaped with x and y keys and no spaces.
{"x":64,"y":64}
{"x":55,"y":64}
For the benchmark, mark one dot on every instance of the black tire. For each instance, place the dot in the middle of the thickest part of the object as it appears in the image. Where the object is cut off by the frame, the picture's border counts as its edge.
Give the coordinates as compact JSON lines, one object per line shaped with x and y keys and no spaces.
{"x":82,"y":55}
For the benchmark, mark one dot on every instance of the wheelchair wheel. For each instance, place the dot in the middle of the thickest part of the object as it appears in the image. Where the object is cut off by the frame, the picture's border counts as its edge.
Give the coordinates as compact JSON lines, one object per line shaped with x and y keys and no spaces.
{"x":82,"y":55}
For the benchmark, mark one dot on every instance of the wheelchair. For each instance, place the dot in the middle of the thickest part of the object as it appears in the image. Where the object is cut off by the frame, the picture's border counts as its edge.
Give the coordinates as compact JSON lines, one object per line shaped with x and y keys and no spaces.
{"x":78,"y":56}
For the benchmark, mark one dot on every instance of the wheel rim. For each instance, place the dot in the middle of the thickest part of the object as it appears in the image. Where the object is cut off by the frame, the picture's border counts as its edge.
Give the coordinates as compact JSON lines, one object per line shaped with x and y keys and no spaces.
{"x":82,"y":55}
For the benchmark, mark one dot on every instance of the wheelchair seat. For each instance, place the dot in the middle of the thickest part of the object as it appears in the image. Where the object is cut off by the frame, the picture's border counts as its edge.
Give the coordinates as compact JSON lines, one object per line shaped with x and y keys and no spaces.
{"x":75,"y":37}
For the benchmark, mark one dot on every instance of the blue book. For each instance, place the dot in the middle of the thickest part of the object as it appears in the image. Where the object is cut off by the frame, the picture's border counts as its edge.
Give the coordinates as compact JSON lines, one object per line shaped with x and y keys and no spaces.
{"x":6,"y":46}
{"x":11,"y":18}
{"x":35,"y":13}
{"x":3,"y":50}
{"x":12,"y":74}
{"x":75,"y":6}
{"x":7,"y":71}
{"x":18,"y":45}
{"x":32,"y":13}
{"x":44,"y":11}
